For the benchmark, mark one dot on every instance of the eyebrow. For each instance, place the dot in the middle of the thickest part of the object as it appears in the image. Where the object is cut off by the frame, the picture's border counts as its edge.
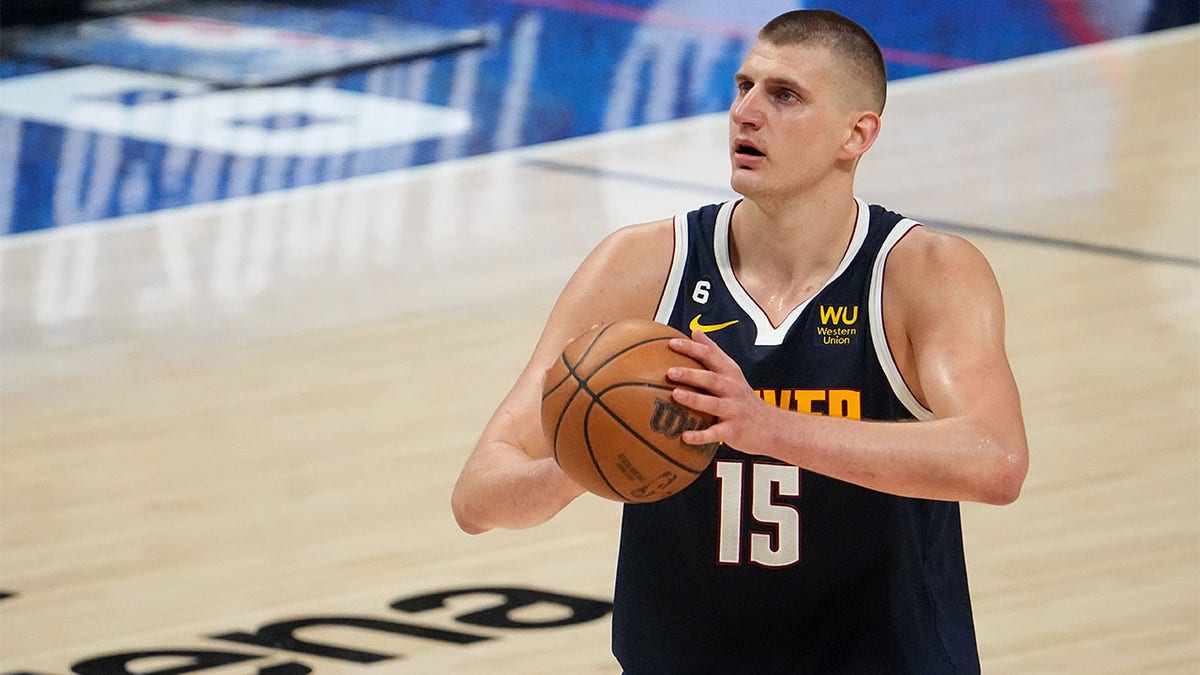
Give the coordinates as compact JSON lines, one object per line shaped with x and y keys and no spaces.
{"x":773,"y":81}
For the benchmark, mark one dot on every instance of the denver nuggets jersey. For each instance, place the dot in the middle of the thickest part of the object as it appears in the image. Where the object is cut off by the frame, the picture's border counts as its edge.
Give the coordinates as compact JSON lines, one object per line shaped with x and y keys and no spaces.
{"x":759,"y":566}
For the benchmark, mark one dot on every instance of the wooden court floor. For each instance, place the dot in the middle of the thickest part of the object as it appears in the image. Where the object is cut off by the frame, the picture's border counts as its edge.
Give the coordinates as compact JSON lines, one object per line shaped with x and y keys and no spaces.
{"x":228,"y":433}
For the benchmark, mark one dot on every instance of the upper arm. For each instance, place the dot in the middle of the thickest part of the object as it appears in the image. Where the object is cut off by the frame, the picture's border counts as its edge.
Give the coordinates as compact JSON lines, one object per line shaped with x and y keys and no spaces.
{"x":945,"y":321}
{"x":622,"y":278}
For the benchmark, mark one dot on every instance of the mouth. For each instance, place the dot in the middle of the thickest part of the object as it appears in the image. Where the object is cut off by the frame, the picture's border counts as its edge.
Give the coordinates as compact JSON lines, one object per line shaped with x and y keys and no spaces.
{"x":748,"y":150}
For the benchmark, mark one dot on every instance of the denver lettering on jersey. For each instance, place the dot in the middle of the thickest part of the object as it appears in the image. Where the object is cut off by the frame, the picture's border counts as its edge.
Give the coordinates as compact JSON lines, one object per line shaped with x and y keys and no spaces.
{"x":830,"y":402}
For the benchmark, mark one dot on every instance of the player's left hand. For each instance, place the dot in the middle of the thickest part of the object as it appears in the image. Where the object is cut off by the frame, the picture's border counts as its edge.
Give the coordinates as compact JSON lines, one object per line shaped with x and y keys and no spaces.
{"x":721,"y":391}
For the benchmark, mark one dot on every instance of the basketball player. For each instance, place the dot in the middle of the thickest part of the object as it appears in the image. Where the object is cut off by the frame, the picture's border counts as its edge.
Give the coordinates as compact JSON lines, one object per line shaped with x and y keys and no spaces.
{"x":826,"y":542}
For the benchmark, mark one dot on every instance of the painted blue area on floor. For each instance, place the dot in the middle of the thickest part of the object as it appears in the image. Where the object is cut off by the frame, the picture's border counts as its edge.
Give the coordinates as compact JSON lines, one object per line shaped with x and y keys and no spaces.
{"x":115,"y":142}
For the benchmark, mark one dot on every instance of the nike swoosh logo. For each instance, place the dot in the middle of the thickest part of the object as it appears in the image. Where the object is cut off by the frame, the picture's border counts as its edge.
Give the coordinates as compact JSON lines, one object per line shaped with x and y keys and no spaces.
{"x":696,"y":325}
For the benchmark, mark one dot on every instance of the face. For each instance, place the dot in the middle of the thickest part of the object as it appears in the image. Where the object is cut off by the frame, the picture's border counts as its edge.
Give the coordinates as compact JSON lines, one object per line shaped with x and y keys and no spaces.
{"x":788,"y":123}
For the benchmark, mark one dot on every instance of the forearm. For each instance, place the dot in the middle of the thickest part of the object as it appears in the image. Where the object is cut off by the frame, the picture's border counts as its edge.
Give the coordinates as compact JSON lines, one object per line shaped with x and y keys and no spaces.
{"x":948,"y":459}
{"x":503,"y":487}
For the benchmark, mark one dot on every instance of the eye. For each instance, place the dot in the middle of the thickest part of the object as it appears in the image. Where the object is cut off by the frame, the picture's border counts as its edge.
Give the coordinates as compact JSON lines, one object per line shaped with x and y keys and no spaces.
{"x":744,"y":86}
{"x":786,"y":95}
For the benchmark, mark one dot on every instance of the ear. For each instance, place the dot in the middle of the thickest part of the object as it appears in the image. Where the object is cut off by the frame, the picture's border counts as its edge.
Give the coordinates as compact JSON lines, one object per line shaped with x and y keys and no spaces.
{"x":861,"y":133}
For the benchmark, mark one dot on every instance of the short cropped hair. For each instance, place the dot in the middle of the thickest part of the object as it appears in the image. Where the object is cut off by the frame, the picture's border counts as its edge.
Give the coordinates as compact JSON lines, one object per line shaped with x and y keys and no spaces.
{"x":846,"y":40}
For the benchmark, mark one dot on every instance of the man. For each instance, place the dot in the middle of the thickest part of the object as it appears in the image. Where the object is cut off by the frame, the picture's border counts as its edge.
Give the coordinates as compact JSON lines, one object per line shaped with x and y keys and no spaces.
{"x":825,"y":542}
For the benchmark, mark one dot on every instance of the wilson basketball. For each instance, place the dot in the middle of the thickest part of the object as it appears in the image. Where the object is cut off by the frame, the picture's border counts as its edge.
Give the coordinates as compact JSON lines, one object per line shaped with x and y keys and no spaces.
{"x":607,"y":412}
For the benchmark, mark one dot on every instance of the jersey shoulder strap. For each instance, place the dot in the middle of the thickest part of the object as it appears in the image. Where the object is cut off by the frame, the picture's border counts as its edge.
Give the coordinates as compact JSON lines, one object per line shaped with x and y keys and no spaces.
{"x":704,"y":219}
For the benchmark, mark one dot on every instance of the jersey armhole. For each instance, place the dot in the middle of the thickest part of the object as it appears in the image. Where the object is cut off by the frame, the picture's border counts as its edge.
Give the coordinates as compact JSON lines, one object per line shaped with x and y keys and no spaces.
{"x":670,"y":293}
{"x":879,"y":336}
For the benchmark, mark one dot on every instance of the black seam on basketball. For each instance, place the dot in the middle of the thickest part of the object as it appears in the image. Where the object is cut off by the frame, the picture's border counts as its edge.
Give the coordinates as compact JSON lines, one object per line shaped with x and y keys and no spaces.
{"x":586,"y":352}
{"x":547,"y":392}
{"x":628,"y":348}
{"x":587,"y":443}
{"x":582,"y":382}
{"x":597,"y":400}
{"x":566,"y":406}
{"x":580,"y":385}
{"x":571,"y":369}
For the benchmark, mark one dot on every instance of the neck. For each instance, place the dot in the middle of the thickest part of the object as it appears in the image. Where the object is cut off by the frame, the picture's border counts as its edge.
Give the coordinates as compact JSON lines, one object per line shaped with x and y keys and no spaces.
{"x":783,"y":253}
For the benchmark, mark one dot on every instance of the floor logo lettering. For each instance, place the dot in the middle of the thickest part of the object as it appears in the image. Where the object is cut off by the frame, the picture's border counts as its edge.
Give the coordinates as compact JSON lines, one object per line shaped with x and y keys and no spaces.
{"x":497,"y":608}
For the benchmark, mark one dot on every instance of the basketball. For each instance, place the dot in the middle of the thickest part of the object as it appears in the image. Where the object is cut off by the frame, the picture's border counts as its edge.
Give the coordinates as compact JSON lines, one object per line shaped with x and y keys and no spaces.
{"x":608,"y":413}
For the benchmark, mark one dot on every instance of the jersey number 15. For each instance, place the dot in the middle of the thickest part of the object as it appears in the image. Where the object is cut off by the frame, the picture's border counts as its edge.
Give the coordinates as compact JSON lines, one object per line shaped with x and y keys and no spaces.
{"x":766,"y":482}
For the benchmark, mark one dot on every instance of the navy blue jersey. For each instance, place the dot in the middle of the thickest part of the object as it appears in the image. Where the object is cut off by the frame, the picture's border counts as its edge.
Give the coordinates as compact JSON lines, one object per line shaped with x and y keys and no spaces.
{"x":759,"y":566}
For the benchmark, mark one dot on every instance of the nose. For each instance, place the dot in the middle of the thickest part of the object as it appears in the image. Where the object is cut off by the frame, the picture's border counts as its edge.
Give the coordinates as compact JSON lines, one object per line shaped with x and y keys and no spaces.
{"x":747,"y":109}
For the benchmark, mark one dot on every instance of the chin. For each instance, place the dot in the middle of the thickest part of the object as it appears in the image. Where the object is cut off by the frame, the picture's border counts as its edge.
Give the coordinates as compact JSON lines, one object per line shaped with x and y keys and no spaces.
{"x":744,"y":184}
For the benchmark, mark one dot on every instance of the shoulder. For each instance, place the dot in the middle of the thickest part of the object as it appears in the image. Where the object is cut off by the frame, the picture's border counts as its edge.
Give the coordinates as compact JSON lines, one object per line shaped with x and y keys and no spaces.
{"x":632,"y":255}
{"x":940,"y":296}
{"x":928,"y":262}
{"x":640,"y":241}
{"x":624,"y":275}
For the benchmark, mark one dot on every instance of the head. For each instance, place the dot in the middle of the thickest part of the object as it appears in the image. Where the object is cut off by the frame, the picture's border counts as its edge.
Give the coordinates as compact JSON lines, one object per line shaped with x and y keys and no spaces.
{"x":809,"y":98}
{"x":864,"y":76}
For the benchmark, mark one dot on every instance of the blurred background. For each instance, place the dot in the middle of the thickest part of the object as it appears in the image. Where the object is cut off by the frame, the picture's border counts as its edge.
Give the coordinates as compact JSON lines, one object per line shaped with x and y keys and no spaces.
{"x":472,"y":76}
{"x":266,"y":269}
